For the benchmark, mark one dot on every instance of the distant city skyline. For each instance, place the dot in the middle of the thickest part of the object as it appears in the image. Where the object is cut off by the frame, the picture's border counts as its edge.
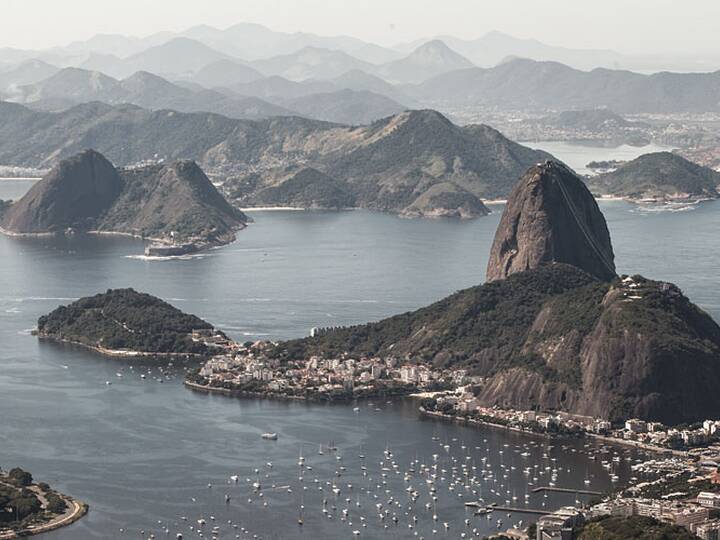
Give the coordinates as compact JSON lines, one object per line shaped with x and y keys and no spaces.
{"x":634,"y":26}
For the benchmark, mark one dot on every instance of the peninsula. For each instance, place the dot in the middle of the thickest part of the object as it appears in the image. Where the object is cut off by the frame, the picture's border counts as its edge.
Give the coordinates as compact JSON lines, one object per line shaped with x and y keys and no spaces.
{"x":173,"y":204}
{"x":28,"y":508}
{"x":554,"y":329}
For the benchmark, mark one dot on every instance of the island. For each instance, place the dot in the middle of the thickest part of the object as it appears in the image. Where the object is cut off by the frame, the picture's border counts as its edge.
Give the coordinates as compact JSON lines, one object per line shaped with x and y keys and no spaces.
{"x":126,"y":323}
{"x":28,"y":508}
{"x":661,"y":177}
{"x":174,"y":205}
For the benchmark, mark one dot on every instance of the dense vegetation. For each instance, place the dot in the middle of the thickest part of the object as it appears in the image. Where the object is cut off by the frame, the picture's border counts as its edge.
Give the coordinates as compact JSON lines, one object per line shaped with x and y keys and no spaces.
{"x":496,"y":316}
{"x":555,"y":338}
{"x":124,"y":319}
{"x":632,"y":528}
{"x":19,"y":503}
{"x":658,"y":175}
{"x":680,"y":485}
{"x":385,"y":166}
{"x":308,"y":188}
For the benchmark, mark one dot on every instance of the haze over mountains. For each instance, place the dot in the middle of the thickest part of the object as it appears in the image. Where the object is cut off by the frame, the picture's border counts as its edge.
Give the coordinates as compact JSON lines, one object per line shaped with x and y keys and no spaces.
{"x":493,"y":72}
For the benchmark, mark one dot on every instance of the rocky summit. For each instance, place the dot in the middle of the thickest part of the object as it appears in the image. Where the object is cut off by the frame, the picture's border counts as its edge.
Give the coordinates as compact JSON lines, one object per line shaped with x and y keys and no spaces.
{"x":74,"y":194}
{"x":172,"y":202}
{"x":551,"y":217}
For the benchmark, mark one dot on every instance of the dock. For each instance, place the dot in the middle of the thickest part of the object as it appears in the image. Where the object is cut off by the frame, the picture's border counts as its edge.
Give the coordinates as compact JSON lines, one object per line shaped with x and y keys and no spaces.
{"x":519,"y":510}
{"x":565,"y":490}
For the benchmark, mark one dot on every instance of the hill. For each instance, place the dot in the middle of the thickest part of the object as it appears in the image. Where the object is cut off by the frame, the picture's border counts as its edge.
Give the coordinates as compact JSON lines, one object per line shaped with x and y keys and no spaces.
{"x":589,"y":119}
{"x":28,"y":72}
{"x":123,"y":320}
{"x":387,"y":165}
{"x":175,"y":203}
{"x":359,"y":80}
{"x":311,"y":63}
{"x":660,"y":176}
{"x":554,"y":337}
{"x":225,"y":73}
{"x":429,"y":60}
{"x":522,"y":84}
{"x":276,"y":87}
{"x":178,"y":56}
{"x":352,"y":107}
{"x":73,"y":85}
{"x":551,"y":217}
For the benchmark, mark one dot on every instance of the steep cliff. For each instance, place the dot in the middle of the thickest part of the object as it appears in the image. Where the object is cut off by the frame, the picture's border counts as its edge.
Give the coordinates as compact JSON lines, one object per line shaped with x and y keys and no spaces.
{"x":551,"y":217}
{"x":74,"y":194}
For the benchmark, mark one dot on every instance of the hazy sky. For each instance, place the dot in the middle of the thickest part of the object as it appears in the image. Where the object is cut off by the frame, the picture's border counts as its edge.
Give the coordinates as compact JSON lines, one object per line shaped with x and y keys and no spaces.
{"x":625,"y":25}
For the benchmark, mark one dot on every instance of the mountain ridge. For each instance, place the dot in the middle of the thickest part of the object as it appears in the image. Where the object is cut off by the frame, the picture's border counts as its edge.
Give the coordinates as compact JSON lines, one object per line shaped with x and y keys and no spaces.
{"x":389,"y":165}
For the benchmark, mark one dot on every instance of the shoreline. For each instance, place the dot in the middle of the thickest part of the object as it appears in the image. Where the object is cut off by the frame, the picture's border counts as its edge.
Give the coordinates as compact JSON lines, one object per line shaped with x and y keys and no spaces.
{"x":75,"y":510}
{"x":247,"y":394}
{"x":116,"y":353}
{"x":610,"y":440}
{"x":197,"y":247}
{"x":475,"y":422}
{"x":207,"y":389}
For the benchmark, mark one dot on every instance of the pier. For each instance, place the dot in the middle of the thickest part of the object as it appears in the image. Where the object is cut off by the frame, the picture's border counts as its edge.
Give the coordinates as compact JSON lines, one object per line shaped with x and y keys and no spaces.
{"x":565,"y":490}
{"x":519,"y":510}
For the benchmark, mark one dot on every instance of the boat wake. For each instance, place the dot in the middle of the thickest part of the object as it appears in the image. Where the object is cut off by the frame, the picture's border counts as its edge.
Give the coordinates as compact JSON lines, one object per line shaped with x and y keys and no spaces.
{"x":186,"y":257}
{"x":661,"y":208}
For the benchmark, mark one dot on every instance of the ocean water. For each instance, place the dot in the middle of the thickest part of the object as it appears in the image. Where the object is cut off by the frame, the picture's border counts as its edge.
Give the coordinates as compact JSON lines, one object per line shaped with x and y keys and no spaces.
{"x":578,"y":156}
{"x":142,"y":452}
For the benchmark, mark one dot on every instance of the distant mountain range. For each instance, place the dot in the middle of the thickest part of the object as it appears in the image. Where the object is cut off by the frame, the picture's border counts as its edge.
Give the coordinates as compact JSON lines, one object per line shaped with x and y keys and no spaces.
{"x":252,"y":42}
{"x":529,"y":85}
{"x":415,"y":162}
{"x":495,"y":72}
{"x":72,"y":86}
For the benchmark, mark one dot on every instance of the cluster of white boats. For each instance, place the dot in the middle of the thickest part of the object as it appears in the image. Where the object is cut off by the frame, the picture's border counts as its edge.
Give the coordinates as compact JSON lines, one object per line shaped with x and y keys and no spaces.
{"x":459,"y":491}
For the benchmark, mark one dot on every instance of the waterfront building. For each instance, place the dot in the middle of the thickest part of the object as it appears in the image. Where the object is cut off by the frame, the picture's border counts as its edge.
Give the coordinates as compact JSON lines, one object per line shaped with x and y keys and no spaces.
{"x":709,"y":500}
{"x":710,"y":530}
{"x":636,"y":425}
{"x":560,"y":524}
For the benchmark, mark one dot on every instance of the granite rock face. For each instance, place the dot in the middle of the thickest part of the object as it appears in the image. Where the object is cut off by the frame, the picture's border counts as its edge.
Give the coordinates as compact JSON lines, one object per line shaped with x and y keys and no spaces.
{"x":75,"y":193}
{"x":551,"y":216}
